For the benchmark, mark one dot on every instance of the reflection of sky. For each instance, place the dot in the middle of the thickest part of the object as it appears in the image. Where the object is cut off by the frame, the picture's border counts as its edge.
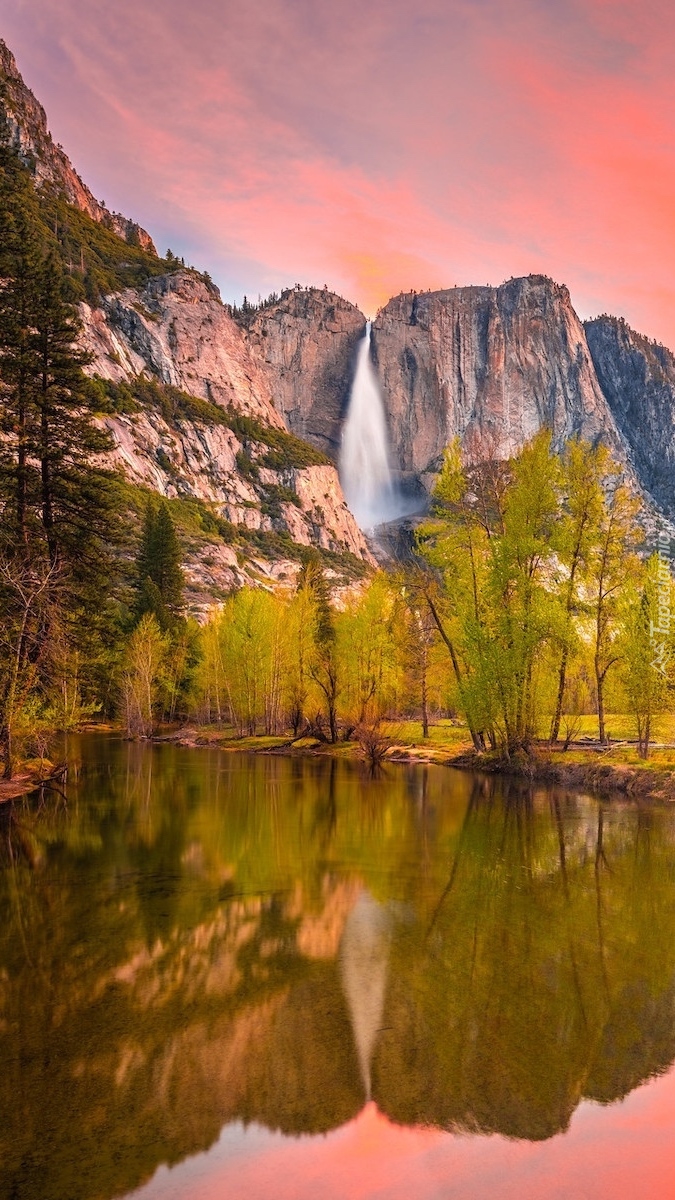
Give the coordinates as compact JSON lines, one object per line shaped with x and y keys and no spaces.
{"x":621,"y":1152}
{"x":378,"y":147}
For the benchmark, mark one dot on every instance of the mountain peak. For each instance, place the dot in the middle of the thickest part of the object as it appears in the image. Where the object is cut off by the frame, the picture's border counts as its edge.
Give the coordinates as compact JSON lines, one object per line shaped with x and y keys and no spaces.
{"x":49,"y":163}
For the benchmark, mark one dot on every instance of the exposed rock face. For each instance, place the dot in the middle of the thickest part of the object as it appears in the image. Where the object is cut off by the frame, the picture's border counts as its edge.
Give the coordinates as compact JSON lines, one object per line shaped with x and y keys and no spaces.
{"x":306,"y":345}
{"x":177,"y":330}
{"x":189,"y":458}
{"x":50,"y":164}
{"x":490,"y":365}
{"x":637,"y":377}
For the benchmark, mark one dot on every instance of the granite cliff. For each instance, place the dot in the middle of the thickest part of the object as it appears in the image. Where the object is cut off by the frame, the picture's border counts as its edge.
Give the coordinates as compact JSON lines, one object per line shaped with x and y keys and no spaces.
{"x":637,"y":377}
{"x":306,"y":345}
{"x":177,"y":330}
{"x":232,"y":452}
{"x":183,"y":390}
{"x":490,"y":366}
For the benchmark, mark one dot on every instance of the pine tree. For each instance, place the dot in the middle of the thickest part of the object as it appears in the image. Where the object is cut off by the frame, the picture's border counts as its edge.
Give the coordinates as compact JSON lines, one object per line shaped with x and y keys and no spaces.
{"x":160,"y":579}
{"x":75,"y":503}
{"x":21,"y":253}
{"x":56,"y":505}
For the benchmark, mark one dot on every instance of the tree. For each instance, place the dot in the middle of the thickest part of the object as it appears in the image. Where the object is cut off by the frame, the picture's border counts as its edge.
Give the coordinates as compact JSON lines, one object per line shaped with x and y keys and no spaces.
{"x":56,"y":505}
{"x":75,"y":501}
{"x":21,"y":253}
{"x":583,"y":469}
{"x":421,"y":639}
{"x":369,"y":652}
{"x":646,"y":646}
{"x":489,"y":544}
{"x":159,"y":577}
{"x":26,"y":599}
{"x":300,"y":618}
{"x":323,"y":666}
{"x":144,"y":663}
{"x":612,"y":561}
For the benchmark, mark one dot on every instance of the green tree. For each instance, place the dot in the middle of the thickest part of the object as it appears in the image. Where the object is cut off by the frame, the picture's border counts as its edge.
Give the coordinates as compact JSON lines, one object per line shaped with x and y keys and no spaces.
{"x":144,"y":663}
{"x":489,"y":544}
{"x":612,"y":562}
{"x":646,"y":646}
{"x":160,"y":580}
{"x":21,"y":254}
{"x":56,"y":504}
{"x":367,"y":650}
{"x":583,"y":470}
{"x":323,"y":666}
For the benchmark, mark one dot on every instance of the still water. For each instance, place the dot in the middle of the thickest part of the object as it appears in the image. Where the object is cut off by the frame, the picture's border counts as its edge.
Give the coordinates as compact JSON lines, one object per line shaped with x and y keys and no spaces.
{"x":231,"y":976}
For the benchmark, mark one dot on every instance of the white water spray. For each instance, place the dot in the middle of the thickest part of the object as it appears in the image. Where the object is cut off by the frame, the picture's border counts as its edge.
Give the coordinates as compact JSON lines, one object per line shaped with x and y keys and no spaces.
{"x":365,"y":473}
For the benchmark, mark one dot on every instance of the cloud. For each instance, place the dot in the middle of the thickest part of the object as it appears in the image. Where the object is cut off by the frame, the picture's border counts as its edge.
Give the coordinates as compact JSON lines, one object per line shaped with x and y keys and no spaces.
{"x":378,"y":148}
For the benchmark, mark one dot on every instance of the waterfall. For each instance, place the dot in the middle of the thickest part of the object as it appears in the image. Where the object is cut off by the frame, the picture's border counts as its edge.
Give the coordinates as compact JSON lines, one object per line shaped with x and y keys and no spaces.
{"x":365,"y":473}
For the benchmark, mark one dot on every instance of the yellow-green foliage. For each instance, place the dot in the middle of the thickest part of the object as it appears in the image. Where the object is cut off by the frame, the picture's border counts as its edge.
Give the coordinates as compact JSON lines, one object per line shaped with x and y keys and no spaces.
{"x":538,"y":593}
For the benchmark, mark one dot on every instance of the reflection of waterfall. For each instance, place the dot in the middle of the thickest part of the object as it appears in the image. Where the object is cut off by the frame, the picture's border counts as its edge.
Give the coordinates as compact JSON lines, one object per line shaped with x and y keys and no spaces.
{"x":364,"y":959}
{"x":365,"y":473}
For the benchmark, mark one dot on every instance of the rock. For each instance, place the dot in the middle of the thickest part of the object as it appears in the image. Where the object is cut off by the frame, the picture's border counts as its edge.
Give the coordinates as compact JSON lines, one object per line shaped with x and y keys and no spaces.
{"x":177,"y":330}
{"x":192,"y":459}
{"x":637,"y":377}
{"x":50,"y":164}
{"x":488,"y":365}
{"x":306,"y":346}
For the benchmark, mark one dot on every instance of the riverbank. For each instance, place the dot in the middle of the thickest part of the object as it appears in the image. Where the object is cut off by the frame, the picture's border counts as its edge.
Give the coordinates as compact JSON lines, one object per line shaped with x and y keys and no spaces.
{"x":584,"y":766}
{"x":30,"y":777}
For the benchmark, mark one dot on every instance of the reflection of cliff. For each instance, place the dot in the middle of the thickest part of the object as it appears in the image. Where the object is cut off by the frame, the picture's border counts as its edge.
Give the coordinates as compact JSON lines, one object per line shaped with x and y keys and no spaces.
{"x":187,"y":952}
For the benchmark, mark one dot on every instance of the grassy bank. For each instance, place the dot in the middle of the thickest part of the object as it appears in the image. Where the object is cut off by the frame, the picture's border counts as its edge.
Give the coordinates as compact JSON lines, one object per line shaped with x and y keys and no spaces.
{"x":585,"y":765}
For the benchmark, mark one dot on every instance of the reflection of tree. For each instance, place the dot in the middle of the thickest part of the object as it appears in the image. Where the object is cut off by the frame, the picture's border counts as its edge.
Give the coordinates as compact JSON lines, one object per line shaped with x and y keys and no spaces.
{"x":509,"y":1017}
{"x":164,"y":1017}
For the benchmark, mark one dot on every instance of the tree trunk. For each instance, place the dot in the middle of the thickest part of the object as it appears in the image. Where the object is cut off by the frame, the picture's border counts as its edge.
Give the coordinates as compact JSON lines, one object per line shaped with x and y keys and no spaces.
{"x":557,"y":716}
{"x":425,"y":705}
{"x":476,"y":735}
{"x":600,"y":684}
{"x":7,"y":753}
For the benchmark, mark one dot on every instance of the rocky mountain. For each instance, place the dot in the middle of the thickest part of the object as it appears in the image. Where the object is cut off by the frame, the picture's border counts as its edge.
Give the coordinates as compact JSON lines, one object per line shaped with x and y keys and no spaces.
{"x":177,"y":330}
{"x":186,"y":394}
{"x":170,"y":345}
{"x":50,"y":164}
{"x":488,"y":365}
{"x":306,"y":346}
{"x":637,"y":377}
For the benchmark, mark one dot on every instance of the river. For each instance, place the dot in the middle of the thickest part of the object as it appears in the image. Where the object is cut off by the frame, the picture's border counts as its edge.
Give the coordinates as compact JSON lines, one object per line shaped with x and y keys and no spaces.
{"x":235,"y":976}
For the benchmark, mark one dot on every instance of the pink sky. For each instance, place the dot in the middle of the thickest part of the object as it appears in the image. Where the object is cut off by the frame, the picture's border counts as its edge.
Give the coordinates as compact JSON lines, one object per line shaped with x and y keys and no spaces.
{"x":377,"y":147}
{"x":619,"y":1152}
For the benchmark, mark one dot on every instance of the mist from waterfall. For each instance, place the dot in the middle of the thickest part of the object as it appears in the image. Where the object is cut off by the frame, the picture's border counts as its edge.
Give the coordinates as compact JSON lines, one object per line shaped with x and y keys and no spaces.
{"x":365,"y":471}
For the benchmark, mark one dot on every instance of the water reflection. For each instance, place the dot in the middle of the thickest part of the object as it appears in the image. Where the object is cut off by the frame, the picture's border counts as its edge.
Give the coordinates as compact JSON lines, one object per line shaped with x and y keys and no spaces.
{"x":196,"y":939}
{"x":364,"y":958}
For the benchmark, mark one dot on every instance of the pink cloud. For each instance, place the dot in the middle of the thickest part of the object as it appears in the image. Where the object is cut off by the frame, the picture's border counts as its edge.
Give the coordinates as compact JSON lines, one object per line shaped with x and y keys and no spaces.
{"x":379,"y":148}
